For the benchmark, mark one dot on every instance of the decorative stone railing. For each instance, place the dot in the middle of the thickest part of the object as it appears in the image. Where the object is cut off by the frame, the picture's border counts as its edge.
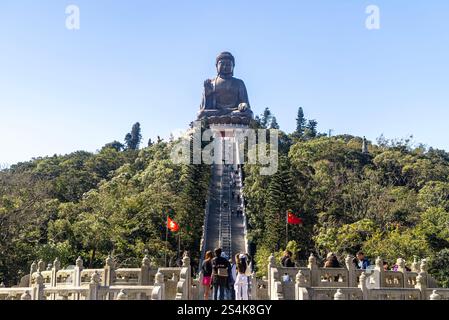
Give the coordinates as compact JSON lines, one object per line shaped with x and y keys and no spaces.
{"x":259,"y":288}
{"x":15,"y":293}
{"x":142,"y":283}
{"x":149,"y":283}
{"x":314,"y":283}
{"x":329,"y":294}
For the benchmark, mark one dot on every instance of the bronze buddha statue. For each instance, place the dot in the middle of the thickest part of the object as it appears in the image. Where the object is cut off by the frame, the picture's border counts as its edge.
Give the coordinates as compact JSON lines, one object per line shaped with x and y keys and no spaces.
{"x":225,"y":99}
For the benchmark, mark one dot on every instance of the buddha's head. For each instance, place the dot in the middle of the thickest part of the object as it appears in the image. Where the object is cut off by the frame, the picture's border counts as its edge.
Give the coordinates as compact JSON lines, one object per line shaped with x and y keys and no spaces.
{"x":225,"y":63}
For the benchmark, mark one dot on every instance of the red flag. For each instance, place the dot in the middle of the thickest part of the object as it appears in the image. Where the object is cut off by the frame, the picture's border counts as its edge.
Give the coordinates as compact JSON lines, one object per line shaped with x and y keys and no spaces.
{"x":293,"y":219}
{"x":172,"y":225}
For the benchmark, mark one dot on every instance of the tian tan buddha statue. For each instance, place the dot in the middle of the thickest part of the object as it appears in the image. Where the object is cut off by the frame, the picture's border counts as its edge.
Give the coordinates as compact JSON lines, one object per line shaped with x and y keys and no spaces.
{"x":225,"y":100}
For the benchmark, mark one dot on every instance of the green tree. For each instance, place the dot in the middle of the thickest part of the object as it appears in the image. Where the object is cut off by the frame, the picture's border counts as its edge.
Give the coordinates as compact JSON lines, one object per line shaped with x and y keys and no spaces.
{"x":279,"y":200}
{"x":274,"y":124}
{"x":114,"y":145}
{"x":439,"y":267}
{"x":310,"y":130}
{"x":300,"y":123}
{"x":265,"y":118}
{"x":133,"y":139}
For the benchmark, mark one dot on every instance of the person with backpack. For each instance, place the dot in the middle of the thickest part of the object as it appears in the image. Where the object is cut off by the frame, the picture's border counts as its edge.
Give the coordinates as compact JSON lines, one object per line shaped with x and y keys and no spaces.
{"x":242,"y":279}
{"x":220,"y":271}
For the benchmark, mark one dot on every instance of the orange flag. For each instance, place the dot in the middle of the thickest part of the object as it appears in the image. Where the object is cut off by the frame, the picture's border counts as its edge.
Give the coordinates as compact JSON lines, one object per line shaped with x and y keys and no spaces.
{"x":172,"y":225}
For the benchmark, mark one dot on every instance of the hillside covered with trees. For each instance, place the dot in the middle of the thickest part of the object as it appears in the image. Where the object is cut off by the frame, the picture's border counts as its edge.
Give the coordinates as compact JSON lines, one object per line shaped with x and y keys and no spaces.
{"x":392,"y":201}
{"x":91,"y":205}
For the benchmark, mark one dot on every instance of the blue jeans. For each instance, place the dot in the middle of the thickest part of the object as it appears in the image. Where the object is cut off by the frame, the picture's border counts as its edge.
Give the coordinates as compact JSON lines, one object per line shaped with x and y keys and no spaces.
{"x":218,"y":287}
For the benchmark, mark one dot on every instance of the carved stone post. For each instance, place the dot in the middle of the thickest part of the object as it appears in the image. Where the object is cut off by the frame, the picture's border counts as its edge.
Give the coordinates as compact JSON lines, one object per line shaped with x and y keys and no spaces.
{"x":415,"y":265}
{"x":108,"y":272}
{"x":33,"y":269}
{"x":378,"y":274}
{"x":339,"y":295}
{"x":25,"y":296}
{"x":159,"y":287}
{"x":401,"y":268}
{"x":301,"y":292}
{"x":188,"y":276}
{"x":54,"y":271}
{"x":314,"y":272}
{"x":78,"y":268}
{"x":38,"y":286}
{"x":94,"y":285}
{"x":363,"y":286}
{"x":352,"y":278}
{"x":421,"y":284}
{"x":145,"y":272}
{"x":53,"y":280}
{"x":435,"y":296}
{"x":423,"y":270}
{"x":122,"y":295}
{"x":77,"y":280}
{"x":108,"y":275}
{"x":41,"y":265}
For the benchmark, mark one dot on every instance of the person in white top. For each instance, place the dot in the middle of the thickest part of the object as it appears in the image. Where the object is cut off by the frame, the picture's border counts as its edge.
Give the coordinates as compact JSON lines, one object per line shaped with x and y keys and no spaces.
{"x":243,"y":272}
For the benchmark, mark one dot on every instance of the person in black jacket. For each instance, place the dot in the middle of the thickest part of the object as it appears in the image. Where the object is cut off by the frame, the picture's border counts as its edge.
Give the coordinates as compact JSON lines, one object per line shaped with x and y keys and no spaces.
{"x":220,"y":267}
{"x":286,"y":261}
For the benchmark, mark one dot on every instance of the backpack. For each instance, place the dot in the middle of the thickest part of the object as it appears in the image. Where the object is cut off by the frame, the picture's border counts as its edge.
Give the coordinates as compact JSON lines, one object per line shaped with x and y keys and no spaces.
{"x":222,"y":269}
{"x":222,"y":272}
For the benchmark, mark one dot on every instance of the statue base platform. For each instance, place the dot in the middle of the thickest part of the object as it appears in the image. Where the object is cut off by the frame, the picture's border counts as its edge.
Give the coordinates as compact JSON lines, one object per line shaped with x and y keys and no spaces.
{"x":229,"y":120}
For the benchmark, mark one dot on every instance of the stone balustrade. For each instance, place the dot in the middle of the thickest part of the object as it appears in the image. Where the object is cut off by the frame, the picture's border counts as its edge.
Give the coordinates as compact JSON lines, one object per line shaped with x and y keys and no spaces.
{"x":108,"y":283}
{"x":259,"y":288}
{"x":150,"y":283}
{"x":315,"y":283}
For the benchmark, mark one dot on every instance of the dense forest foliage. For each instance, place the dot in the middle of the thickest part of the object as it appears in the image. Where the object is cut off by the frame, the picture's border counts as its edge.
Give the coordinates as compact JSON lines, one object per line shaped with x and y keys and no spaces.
{"x":392,"y":201}
{"x":91,"y":205}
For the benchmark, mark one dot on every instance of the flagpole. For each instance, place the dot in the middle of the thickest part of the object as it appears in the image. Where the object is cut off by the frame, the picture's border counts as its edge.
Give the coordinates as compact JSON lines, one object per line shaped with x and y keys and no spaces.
{"x":286,"y":230}
{"x":166,"y":240}
{"x":179,"y":244}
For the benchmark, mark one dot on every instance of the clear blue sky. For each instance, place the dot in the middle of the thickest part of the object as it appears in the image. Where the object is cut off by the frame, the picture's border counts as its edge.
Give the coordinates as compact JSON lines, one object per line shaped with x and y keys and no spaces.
{"x":145,"y":61}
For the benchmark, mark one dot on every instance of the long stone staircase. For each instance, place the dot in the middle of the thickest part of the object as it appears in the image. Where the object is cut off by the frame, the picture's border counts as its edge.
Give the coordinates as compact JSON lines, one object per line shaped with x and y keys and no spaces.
{"x":223,"y":227}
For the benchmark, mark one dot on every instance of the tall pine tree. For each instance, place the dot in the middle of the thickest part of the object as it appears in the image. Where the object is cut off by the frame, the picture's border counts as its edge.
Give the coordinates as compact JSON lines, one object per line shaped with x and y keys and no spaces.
{"x":280,"y":198}
{"x":133,"y":139}
{"x":300,"y":123}
{"x":266,"y":117}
